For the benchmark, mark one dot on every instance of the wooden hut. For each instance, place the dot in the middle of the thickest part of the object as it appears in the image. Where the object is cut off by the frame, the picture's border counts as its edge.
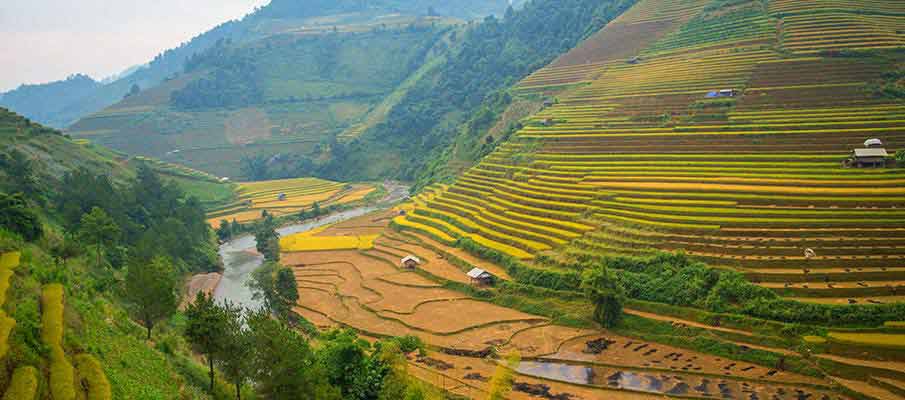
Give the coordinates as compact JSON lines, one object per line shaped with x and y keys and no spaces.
{"x":871,"y":157}
{"x":480,"y":277}
{"x":410,"y":262}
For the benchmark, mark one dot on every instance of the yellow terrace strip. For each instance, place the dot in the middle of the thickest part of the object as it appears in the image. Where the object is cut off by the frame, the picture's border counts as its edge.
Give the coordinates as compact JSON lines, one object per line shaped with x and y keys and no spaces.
{"x":10,"y":260}
{"x":304,"y":242}
{"x":870,"y":339}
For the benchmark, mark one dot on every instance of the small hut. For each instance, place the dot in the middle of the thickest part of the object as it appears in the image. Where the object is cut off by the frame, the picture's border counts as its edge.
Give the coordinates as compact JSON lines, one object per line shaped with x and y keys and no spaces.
{"x":281,"y":197}
{"x":410,"y":262}
{"x":871,"y":157}
{"x":480,"y":277}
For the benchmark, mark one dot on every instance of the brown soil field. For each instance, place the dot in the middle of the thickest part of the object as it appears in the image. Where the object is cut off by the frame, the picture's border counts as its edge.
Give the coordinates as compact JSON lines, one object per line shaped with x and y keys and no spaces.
{"x":409,"y":279}
{"x":409,"y":241}
{"x":456,"y":315}
{"x":369,"y":292}
{"x":639,"y":354}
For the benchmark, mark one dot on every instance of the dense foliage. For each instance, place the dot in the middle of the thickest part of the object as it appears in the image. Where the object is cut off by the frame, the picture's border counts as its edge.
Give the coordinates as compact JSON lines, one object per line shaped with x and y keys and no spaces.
{"x":154,"y":217}
{"x":489,"y":56}
{"x":677,"y":279}
{"x":254,"y":347}
{"x":230,"y":83}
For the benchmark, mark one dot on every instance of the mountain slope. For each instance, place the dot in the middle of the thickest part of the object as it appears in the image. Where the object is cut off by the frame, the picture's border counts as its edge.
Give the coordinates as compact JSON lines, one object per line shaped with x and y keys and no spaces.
{"x":280,"y":98}
{"x":275,"y":18}
{"x":640,"y":154}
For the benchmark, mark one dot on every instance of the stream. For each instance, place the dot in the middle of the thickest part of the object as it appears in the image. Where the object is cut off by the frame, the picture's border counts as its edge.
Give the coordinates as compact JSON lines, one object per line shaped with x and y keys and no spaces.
{"x":240,"y":258}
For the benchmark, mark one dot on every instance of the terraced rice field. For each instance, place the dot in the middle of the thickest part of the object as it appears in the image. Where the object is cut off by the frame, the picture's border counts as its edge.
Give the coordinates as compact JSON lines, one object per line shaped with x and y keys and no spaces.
{"x":367,"y":290}
{"x":634,"y":156}
{"x":287,"y":196}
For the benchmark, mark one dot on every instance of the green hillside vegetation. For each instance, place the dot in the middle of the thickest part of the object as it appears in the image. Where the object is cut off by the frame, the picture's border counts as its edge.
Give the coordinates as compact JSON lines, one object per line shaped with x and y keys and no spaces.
{"x":707,"y":207}
{"x":90,"y":268}
{"x":366,"y":102}
{"x":284,"y":99}
{"x":60,"y":104}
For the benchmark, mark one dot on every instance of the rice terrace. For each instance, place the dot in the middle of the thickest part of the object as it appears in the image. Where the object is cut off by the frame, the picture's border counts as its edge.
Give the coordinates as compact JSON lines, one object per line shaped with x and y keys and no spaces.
{"x":480,"y":199}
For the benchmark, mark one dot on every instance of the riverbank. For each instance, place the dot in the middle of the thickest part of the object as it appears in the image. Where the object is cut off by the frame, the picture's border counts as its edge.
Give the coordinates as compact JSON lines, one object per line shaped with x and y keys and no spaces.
{"x":240,"y":259}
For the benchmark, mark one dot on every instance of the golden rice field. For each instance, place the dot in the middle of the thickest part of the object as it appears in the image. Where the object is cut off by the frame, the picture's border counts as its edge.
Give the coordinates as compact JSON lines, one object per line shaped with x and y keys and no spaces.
{"x":285,"y":197}
{"x":633,"y":144}
{"x":887,"y":340}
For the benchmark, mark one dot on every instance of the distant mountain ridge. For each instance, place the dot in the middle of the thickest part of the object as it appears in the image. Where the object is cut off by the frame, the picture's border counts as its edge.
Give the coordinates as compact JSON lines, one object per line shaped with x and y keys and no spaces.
{"x":72,"y":102}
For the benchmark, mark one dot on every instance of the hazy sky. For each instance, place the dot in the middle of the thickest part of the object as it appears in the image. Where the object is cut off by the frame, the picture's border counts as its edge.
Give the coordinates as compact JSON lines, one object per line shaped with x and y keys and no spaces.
{"x":48,"y":40}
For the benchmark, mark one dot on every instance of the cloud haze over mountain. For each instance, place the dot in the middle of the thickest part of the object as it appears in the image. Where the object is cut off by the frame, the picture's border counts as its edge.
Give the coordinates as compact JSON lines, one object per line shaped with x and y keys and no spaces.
{"x":47,"y":40}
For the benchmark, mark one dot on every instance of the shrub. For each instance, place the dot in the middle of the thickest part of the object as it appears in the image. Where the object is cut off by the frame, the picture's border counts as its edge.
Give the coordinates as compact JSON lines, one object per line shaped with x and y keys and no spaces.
{"x":6,"y":327}
{"x":24,"y":384}
{"x":93,"y":375}
{"x":900,"y":158}
{"x":62,"y":379}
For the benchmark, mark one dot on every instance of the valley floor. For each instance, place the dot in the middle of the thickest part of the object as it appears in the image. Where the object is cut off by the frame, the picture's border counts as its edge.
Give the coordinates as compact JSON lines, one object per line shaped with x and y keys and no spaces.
{"x":369,"y":291}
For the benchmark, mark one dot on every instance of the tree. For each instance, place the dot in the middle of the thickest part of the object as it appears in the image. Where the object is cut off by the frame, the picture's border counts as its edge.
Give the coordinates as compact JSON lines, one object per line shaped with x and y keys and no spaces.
{"x":284,"y":366}
{"x":268,"y":241}
{"x":98,"y":228}
{"x":900,"y":158}
{"x":16,"y":216}
{"x":151,"y":289}
{"x":21,"y":169}
{"x":207,"y":324}
{"x":604,"y":291}
{"x":135,"y":89}
{"x":224,"y":231}
{"x":501,"y":383}
{"x":276,"y":286}
{"x":237,"y":349}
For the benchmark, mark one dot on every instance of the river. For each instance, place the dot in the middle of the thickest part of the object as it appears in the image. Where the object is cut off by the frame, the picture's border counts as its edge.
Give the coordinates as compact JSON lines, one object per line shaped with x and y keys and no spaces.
{"x":240,"y":258}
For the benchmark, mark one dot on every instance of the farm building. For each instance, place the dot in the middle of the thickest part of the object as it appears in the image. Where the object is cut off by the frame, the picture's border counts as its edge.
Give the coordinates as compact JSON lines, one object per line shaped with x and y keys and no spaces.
{"x":870,"y":157}
{"x":722,"y":93}
{"x":281,"y":197}
{"x":480,"y":277}
{"x":410,"y":262}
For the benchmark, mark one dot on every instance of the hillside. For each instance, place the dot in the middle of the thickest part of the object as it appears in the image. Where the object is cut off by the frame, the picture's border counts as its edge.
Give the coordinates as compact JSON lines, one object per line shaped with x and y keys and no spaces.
{"x":283,"y":98}
{"x":367,"y":101}
{"x":69,"y":105}
{"x":637,"y":152}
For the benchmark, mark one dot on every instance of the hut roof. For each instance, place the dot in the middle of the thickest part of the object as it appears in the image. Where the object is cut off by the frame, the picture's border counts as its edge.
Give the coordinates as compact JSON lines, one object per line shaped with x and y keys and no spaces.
{"x":873,"y":142}
{"x":478,"y":273}
{"x":875,"y":152}
{"x":411,"y":258}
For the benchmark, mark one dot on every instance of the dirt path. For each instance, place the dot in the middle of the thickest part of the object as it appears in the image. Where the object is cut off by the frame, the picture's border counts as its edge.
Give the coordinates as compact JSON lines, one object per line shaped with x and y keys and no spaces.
{"x":669,"y":319}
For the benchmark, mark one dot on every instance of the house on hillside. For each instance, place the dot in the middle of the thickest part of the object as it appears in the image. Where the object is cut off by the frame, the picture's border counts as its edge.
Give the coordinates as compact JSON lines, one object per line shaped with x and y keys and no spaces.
{"x":410,"y":262}
{"x":722,"y":93}
{"x":480,"y":277}
{"x":870,"y":157}
{"x":281,"y":197}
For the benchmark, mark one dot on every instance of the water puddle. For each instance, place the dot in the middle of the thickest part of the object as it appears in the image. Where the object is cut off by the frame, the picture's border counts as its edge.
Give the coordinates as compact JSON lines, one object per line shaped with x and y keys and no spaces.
{"x":686,"y":385}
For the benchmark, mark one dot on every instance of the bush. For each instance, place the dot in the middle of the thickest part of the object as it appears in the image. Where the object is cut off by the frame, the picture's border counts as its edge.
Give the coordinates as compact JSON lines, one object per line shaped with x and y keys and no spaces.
{"x":93,"y":375}
{"x":62,"y":375}
{"x":62,"y":379}
{"x":6,"y":327}
{"x":24,"y":385}
{"x":900,"y":158}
